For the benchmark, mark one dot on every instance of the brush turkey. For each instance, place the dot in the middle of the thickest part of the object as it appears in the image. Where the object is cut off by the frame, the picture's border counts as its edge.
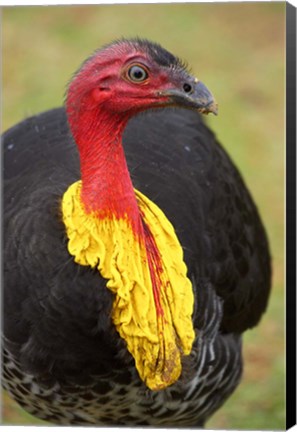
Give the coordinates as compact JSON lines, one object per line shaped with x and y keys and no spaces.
{"x":134,"y":255}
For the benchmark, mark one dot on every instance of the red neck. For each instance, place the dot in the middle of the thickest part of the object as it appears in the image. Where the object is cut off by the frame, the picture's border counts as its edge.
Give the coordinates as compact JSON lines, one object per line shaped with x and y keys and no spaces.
{"x":106,"y":184}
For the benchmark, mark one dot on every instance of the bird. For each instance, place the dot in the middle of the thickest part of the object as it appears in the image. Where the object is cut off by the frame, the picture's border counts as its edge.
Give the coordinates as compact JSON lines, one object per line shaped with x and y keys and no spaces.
{"x":134,"y":255}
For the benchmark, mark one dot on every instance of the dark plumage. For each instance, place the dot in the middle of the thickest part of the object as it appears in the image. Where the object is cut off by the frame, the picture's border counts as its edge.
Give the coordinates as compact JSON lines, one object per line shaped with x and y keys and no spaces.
{"x":64,"y":361}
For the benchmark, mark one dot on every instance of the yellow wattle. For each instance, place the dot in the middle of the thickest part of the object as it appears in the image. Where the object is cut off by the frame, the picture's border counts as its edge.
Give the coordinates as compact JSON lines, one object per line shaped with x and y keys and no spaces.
{"x":156,"y":340}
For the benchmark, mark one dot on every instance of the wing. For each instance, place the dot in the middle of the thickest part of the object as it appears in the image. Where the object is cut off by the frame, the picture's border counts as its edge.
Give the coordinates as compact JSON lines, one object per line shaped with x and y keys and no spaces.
{"x":176,"y":161}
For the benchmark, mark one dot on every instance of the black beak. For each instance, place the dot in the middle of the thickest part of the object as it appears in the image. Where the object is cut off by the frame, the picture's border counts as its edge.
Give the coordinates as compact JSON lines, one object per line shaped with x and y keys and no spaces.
{"x":194,"y":95}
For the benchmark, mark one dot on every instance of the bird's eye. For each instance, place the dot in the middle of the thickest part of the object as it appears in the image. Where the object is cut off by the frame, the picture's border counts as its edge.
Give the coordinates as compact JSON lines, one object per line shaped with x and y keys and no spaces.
{"x":137,"y":73}
{"x":187,"y":88}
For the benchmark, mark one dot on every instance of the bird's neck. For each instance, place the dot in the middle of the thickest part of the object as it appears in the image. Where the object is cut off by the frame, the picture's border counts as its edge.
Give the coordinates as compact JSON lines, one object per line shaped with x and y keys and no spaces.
{"x":106,"y":184}
{"x":128,"y":238}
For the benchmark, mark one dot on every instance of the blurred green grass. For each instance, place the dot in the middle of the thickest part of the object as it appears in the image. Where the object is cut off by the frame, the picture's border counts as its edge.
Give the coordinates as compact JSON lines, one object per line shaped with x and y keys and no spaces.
{"x":238,"y":51}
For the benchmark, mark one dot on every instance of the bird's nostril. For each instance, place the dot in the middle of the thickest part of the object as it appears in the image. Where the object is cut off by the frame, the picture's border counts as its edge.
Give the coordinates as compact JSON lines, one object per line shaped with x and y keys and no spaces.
{"x":187,"y":87}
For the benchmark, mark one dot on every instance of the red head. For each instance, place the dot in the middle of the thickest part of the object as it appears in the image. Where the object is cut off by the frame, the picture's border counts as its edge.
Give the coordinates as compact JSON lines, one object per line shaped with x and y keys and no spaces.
{"x":129,"y":76}
{"x":114,"y":84}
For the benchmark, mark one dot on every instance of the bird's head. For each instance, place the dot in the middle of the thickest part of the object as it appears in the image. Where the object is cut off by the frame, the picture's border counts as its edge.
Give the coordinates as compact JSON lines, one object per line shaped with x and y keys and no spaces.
{"x":130,"y":76}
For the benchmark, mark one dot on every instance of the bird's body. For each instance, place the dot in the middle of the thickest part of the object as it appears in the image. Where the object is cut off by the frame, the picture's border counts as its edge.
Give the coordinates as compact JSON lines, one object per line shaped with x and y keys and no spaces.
{"x":65,"y":361}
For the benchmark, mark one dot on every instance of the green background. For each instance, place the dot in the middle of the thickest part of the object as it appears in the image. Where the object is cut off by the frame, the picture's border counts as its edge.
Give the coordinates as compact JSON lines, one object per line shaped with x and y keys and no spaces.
{"x":238,"y":51}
